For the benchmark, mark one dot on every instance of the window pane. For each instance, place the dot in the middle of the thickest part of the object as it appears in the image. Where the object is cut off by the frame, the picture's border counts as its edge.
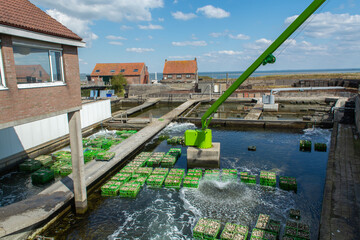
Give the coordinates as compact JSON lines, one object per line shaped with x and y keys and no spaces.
{"x":31,"y":64}
{"x":56,"y":65}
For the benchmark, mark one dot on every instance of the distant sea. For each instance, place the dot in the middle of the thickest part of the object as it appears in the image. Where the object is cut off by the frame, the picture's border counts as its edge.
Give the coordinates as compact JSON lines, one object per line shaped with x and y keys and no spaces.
{"x":235,"y":75}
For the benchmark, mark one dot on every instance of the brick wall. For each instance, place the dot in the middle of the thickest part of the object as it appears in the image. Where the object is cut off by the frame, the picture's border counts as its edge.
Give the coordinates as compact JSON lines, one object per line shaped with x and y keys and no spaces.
{"x":17,"y":104}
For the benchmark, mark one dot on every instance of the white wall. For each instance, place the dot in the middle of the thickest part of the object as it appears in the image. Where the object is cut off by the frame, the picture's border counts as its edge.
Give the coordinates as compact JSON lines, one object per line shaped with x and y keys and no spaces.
{"x":22,"y":137}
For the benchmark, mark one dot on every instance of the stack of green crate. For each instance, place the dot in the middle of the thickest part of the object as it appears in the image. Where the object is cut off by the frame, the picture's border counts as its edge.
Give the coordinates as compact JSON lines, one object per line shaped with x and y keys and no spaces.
{"x":206,"y":229}
{"x":229,"y":175}
{"x":144,"y":171}
{"x":45,"y":160}
{"x":64,"y":170}
{"x":168,"y":161}
{"x":270,"y":226}
{"x":85,"y":142}
{"x":61,"y":155}
{"x":191,"y":181}
{"x":160,"y":171}
{"x":294,"y":230}
{"x":288,"y":183}
{"x":164,"y":137}
{"x":245,"y":177}
{"x":320,"y":147}
{"x":30,"y":165}
{"x":121,"y":177}
{"x":128,"y":169}
{"x":89,"y":155}
{"x":106,"y":144}
{"x":234,"y":231}
{"x":258,"y":234}
{"x":119,"y":133}
{"x":174,"y":178}
{"x":305,"y":145}
{"x":175,"y":152}
{"x":155,"y":159}
{"x":196,"y":172}
{"x":95,"y":143}
{"x":155,"y":181}
{"x":109,"y":189}
{"x":129,"y":190}
{"x":105,"y":156}
{"x":140,"y":179}
{"x":213,"y":174}
{"x":268,"y":178}
{"x":178,"y":140}
{"x":42,"y":176}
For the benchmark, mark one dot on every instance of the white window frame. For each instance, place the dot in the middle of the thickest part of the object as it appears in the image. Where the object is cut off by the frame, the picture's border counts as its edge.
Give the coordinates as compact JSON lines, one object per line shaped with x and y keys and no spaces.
{"x":170,"y":76}
{"x":51,"y":48}
{"x":188,"y":75}
{"x":178,"y":76}
{"x":2,"y":77}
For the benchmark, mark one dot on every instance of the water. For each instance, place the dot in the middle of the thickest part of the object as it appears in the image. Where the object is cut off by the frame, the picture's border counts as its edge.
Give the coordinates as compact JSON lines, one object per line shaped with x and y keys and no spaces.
{"x":236,"y":74}
{"x":170,"y":214}
{"x":226,"y":110}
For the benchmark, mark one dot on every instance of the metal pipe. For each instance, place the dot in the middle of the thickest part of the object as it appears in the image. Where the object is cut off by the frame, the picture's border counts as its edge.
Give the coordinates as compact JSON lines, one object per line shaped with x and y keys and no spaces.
{"x":276,"y":90}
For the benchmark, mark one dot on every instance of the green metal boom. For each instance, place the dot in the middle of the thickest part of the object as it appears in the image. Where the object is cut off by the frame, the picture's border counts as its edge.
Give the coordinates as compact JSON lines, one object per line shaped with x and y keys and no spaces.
{"x":263,"y":59}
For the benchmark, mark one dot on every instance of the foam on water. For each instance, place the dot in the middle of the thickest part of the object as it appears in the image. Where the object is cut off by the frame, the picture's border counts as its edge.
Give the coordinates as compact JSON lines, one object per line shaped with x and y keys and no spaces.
{"x":175,"y":127}
{"x":317,"y":133}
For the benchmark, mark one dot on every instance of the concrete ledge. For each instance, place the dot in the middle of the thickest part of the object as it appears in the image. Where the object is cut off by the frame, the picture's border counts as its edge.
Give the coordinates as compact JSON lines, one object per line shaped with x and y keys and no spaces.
{"x":204,"y":158}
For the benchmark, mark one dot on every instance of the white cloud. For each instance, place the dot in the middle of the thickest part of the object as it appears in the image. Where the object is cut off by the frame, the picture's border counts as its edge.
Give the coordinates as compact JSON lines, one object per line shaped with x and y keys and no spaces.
{"x":260,"y":44}
{"x":193,"y":37}
{"x":78,"y":26}
{"x":239,"y":37}
{"x":161,"y":19}
{"x":216,"y":35}
{"x":230,"y":52}
{"x":82,"y":61}
{"x":112,"y":37}
{"x":183,"y":16}
{"x":328,"y":25}
{"x":190,"y":43}
{"x":125,"y":27}
{"x":116,"y":43}
{"x":150,"y":27}
{"x":212,"y":12}
{"x":182,"y":57}
{"x":113,"y":10}
{"x":176,"y":1}
{"x":150,"y":37}
{"x":140,"y":50}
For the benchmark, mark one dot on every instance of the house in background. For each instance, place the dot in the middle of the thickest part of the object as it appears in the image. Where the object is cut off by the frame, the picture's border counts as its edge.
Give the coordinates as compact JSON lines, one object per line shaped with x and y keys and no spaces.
{"x":135,"y":73}
{"x":180,"y":71}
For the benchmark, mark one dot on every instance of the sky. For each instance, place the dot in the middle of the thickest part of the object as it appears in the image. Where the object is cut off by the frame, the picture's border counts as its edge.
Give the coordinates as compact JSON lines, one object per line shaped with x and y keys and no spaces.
{"x":224,"y":35}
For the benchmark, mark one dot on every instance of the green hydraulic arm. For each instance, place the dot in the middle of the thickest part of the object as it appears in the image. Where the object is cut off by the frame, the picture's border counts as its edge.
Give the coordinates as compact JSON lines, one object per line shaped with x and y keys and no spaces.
{"x":202,"y":138}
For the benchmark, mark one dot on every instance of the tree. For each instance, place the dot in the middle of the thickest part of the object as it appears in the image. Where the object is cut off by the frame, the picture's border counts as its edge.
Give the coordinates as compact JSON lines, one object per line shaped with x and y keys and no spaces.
{"x":118,"y":83}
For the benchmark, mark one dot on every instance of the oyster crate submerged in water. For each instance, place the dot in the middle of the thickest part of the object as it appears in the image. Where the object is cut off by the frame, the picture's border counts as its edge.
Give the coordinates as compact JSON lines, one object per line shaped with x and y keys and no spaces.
{"x":320,"y":147}
{"x":297,"y":231}
{"x":129,"y":190}
{"x":268,"y":178}
{"x":246,"y":178}
{"x":206,"y":229}
{"x":234,"y":231}
{"x":287,"y":183}
{"x":305,"y":145}
{"x":30,"y":165}
{"x":42,"y":176}
{"x":155,"y":181}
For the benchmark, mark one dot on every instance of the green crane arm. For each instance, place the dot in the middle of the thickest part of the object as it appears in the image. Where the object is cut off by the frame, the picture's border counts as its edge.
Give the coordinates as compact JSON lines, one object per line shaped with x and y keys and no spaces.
{"x":263,"y":59}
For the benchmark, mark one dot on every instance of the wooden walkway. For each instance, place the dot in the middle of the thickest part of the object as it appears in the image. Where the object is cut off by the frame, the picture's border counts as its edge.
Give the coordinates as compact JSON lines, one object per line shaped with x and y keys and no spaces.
{"x":340,"y":217}
{"x":255,"y":112}
{"x":150,"y":102}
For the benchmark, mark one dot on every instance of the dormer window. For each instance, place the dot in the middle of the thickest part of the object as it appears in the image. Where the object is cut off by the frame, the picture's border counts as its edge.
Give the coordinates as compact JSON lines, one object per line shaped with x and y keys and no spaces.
{"x":136,"y":70}
{"x":97,"y":70}
{"x":112,"y":71}
{"x":122,"y":70}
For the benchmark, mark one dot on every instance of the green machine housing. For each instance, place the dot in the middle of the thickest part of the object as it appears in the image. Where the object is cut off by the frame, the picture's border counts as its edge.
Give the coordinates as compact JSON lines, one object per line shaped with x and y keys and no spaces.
{"x":202,"y":138}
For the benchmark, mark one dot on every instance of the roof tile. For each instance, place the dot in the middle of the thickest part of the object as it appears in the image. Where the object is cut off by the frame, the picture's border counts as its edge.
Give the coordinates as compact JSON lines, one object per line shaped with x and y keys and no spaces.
{"x":104,"y":69}
{"x":174,"y":67}
{"x":25,"y":15}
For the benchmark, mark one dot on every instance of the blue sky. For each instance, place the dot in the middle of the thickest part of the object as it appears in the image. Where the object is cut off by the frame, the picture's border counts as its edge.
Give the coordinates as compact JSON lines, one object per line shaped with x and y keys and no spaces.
{"x":224,"y":35}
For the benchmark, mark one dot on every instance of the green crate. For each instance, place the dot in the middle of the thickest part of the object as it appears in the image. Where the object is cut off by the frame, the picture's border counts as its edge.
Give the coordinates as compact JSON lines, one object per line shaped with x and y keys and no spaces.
{"x":206,"y":229}
{"x":177,"y":171}
{"x":154,"y":162}
{"x":305,"y":145}
{"x":119,"y":133}
{"x":155,"y":181}
{"x":140,"y":180}
{"x":191,"y":183}
{"x":257,"y":233}
{"x":168,"y":161}
{"x":105,"y":156}
{"x":160,"y":171}
{"x":129,"y":190}
{"x":295,"y":214}
{"x":268,"y":178}
{"x":89,"y":155}
{"x":173,"y":182}
{"x":262,"y":221}
{"x":111,"y":190}
{"x":45,"y":160}
{"x":320,"y":147}
{"x":288,"y":183}
{"x":42,"y":176}
{"x":176,"y":152}
{"x":61,"y":155}
{"x":30,"y":165}
{"x":65,"y":170}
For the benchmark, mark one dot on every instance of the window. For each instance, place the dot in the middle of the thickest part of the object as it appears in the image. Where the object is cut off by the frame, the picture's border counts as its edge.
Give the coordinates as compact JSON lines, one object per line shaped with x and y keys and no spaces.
{"x":38,"y":65}
{"x":188,"y":75}
{"x":122,"y":70}
{"x":112,"y":71}
{"x":178,"y":76}
{"x":97,"y":70}
{"x":2,"y":75}
{"x":136,"y":70}
{"x":170,"y":76}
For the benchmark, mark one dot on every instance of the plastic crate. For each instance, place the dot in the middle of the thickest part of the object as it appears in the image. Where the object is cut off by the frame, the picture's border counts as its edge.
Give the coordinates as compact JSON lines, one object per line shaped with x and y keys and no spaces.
{"x":288,"y":183}
{"x":262,"y":221}
{"x":129,"y":190}
{"x":295,"y":214}
{"x":160,"y":171}
{"x":30,"y":165}
{"x":320,"y":147}
{"x":168,"y":161}
{"x":65,"y":170}
{"x":105,"y":156}
{"x":257,"y":233}
{"x":305,"y":145}
{"x":173,"y":182}
{"x":268,"y":178}
{"x":42,"y":176}
{"x":144,"y":171}
{"x":155,"y":181}
{"x":45,"y":160}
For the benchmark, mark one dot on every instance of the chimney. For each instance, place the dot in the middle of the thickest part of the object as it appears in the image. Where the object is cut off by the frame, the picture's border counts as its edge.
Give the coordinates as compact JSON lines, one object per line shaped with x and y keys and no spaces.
{"x":165,"y":60}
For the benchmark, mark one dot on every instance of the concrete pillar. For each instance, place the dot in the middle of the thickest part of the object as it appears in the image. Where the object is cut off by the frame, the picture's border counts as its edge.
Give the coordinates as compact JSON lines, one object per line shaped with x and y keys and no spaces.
{"x":77,"y":156}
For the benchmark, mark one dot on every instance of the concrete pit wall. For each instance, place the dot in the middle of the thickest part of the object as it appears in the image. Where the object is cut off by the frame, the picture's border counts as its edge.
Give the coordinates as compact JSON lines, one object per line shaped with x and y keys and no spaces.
{"x":146,"y":89}
{"x":16,"y":142}
{"x":357,"y":113}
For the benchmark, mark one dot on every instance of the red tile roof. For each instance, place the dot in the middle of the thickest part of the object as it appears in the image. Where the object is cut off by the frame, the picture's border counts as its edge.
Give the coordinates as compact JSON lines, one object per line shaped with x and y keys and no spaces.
{"x":25,"y":15}
{"x":174,"y":67}
{"x":111,"y":69}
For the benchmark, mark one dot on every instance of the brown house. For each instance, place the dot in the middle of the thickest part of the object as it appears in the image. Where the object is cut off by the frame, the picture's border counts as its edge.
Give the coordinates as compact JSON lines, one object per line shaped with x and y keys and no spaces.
{"x":135,"y":73}
{"x":39,"y":65}
{"x":180,"y":71}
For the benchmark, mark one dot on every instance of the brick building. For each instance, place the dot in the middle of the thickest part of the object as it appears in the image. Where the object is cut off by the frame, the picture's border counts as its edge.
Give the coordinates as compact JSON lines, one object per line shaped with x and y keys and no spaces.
{"x":39,"y":65}
{"x":180,"y":71}
{"x":135,"y":73}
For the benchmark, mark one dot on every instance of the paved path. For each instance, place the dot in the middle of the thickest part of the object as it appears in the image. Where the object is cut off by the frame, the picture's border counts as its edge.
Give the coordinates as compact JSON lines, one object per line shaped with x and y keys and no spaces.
{"x":255,"y":112}
{"x":340,"y":217}
{"x":30,"y":212}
